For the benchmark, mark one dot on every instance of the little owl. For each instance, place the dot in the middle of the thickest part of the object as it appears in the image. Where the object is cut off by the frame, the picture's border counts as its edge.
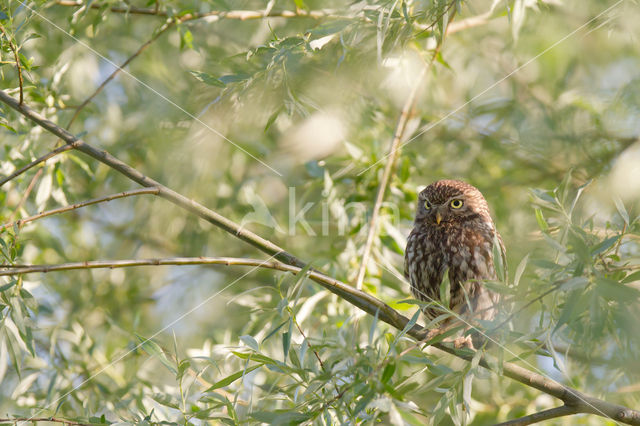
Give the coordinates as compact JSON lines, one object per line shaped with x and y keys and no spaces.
{"x":453,"y":231}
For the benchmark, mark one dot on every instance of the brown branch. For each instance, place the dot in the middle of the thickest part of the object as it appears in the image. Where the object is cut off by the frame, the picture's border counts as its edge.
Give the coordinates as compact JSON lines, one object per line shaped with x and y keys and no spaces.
{"x":473,"y":21}
{"x":552,"y":413}
{"x":13,"y":48}
{"x":14,"y":420}
{"x":232,"y":14}
{"x":111,"y":76}
{"x":386,"y":176}
{"x":241,"y":15}
{"x":26,"y":194}
{"x":80,"y":205}
{"x":394,"y":150}
{"x":373,"y":306}
{"x":35,"y":162}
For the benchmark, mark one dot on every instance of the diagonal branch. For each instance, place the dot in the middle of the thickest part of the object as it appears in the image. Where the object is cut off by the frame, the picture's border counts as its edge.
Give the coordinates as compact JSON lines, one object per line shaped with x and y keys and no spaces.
{"x":394,"y":151}
{"x":242,"y":15}
{"x":572,"y":397}
{"x":26,"y":194}
{"x":80,"y":205}
{"x":232,"y":14}
{"x":386,"y":175}
{"x":111,"y":76}
{"x":37,"y":161}
{"x":552,"y":413}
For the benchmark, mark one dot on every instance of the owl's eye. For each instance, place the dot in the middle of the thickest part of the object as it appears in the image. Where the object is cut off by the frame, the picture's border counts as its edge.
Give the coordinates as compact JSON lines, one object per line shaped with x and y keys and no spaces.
{"x":427,"y":205}
{"x":456,"y":204}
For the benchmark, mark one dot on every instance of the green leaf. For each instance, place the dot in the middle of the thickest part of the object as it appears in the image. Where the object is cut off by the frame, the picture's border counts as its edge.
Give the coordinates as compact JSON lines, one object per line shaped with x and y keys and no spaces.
{"x":250,"y":342}
{"x":263,"y":359}
{"x":207,"y":79}
{"x":374,"y":325}
{"x":81,"y":163}
{"x":622,"y":211}
{"x":611,"y":290}
{"x":388,"y":371}
{"x":329,"y":28}
{"x":182,"y":368}
{"x":542,"y":224}
{"x":272,"y":332}
{"x":8,"y":285}
{"x":233,"y":78}
{"x":409,"y":326}
{"x":631,"y":278}
{"x":566,"y":315}
{"x":300,"y":4}
{"x":281,"y":417}
{"x":187,"y":39}
{"x":286,"y":340}
{"x":392,"y":244}
{"x":364,"y":401}
{"x":166,"y":400}
{"x":445,"y":290}
{"x":520,"y":270}
{"x":272,"y":118}
{"x":605,"y":245}
{"x":153,"y":349}
{"x":232,"y":378}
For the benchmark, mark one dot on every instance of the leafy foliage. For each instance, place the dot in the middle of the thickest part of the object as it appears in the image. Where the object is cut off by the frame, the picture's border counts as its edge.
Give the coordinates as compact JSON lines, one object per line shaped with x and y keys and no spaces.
{"x":279,"y":115}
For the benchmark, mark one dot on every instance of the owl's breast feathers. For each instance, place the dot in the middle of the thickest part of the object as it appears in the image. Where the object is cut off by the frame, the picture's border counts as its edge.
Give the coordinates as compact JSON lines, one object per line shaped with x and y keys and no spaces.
{"x":465,"y":251}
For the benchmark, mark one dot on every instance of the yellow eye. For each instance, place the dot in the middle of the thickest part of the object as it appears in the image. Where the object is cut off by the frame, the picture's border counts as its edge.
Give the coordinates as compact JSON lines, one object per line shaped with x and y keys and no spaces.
{"x":456,"y":204}
{"x":427,"y":205}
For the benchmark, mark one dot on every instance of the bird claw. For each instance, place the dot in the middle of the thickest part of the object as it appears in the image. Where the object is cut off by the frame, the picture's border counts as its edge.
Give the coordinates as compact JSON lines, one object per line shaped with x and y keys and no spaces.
{"x":463,"y":342}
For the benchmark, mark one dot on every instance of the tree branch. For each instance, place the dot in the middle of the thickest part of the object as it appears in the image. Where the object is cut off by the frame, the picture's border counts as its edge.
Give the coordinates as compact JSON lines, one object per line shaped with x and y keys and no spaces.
{"x":552,"y":413}
{"x":233,"y":14}
{"x":364,"y":301}
{"x":15,"y":420}
{"x":394,"y":150}
{"x":26,"y":194}
{"x":242,"y":15}
{"x":35,"y":162}
{"x":111,"y":76}
{"x":80,"y":205}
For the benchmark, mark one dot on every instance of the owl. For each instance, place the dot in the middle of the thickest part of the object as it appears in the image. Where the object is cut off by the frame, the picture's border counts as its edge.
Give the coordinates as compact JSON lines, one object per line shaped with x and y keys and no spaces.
{"x":453,"y":233}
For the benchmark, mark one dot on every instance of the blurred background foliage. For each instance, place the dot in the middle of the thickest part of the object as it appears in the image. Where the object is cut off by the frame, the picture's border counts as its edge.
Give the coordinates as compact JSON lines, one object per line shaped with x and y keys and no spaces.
{"x":536,"y":103}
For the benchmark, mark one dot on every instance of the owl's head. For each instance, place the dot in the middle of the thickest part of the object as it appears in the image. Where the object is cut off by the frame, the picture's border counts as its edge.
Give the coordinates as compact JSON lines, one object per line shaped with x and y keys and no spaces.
{"x":448,"y":202}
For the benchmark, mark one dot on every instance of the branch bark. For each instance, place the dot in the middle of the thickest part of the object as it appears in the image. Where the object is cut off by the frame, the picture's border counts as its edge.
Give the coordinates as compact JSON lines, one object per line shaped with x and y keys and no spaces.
{"x":242,"y":15}
{"x":552,"y":413}
{"x":80,"y":205}
{"x":571,"y":397}
{"x":35,"y":162}
{"x":394,"y":150}
{"x":111,"y":76}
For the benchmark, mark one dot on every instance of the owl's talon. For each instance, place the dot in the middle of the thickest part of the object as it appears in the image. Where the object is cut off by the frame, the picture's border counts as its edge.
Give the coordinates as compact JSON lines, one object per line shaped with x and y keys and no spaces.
{"x":463,"y":342}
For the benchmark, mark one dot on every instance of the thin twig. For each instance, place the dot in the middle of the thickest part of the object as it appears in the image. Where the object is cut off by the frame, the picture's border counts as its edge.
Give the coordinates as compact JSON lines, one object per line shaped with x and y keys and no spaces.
{"x":473,"y":21}
{"x":14,"y":420}
{"x":233,"y":14}
{"x":132,"y":193}
{"x":35,"y":162}
{"x":373,"y":306}
{"x":26,"y":194}
{"x":552,"y":413}
{"x":229,"y":14}
{"x":111,"y":76}
{"x":13,"y":48}
{"x":394,"y":150}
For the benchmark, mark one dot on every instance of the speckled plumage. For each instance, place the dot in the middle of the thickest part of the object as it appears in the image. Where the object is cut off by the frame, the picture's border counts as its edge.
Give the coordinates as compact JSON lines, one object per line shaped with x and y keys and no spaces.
{"x":461,"y":243}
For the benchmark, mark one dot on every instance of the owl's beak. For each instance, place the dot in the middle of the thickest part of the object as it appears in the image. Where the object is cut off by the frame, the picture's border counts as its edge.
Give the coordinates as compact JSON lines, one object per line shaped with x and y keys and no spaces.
{"x":438,"y":218}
